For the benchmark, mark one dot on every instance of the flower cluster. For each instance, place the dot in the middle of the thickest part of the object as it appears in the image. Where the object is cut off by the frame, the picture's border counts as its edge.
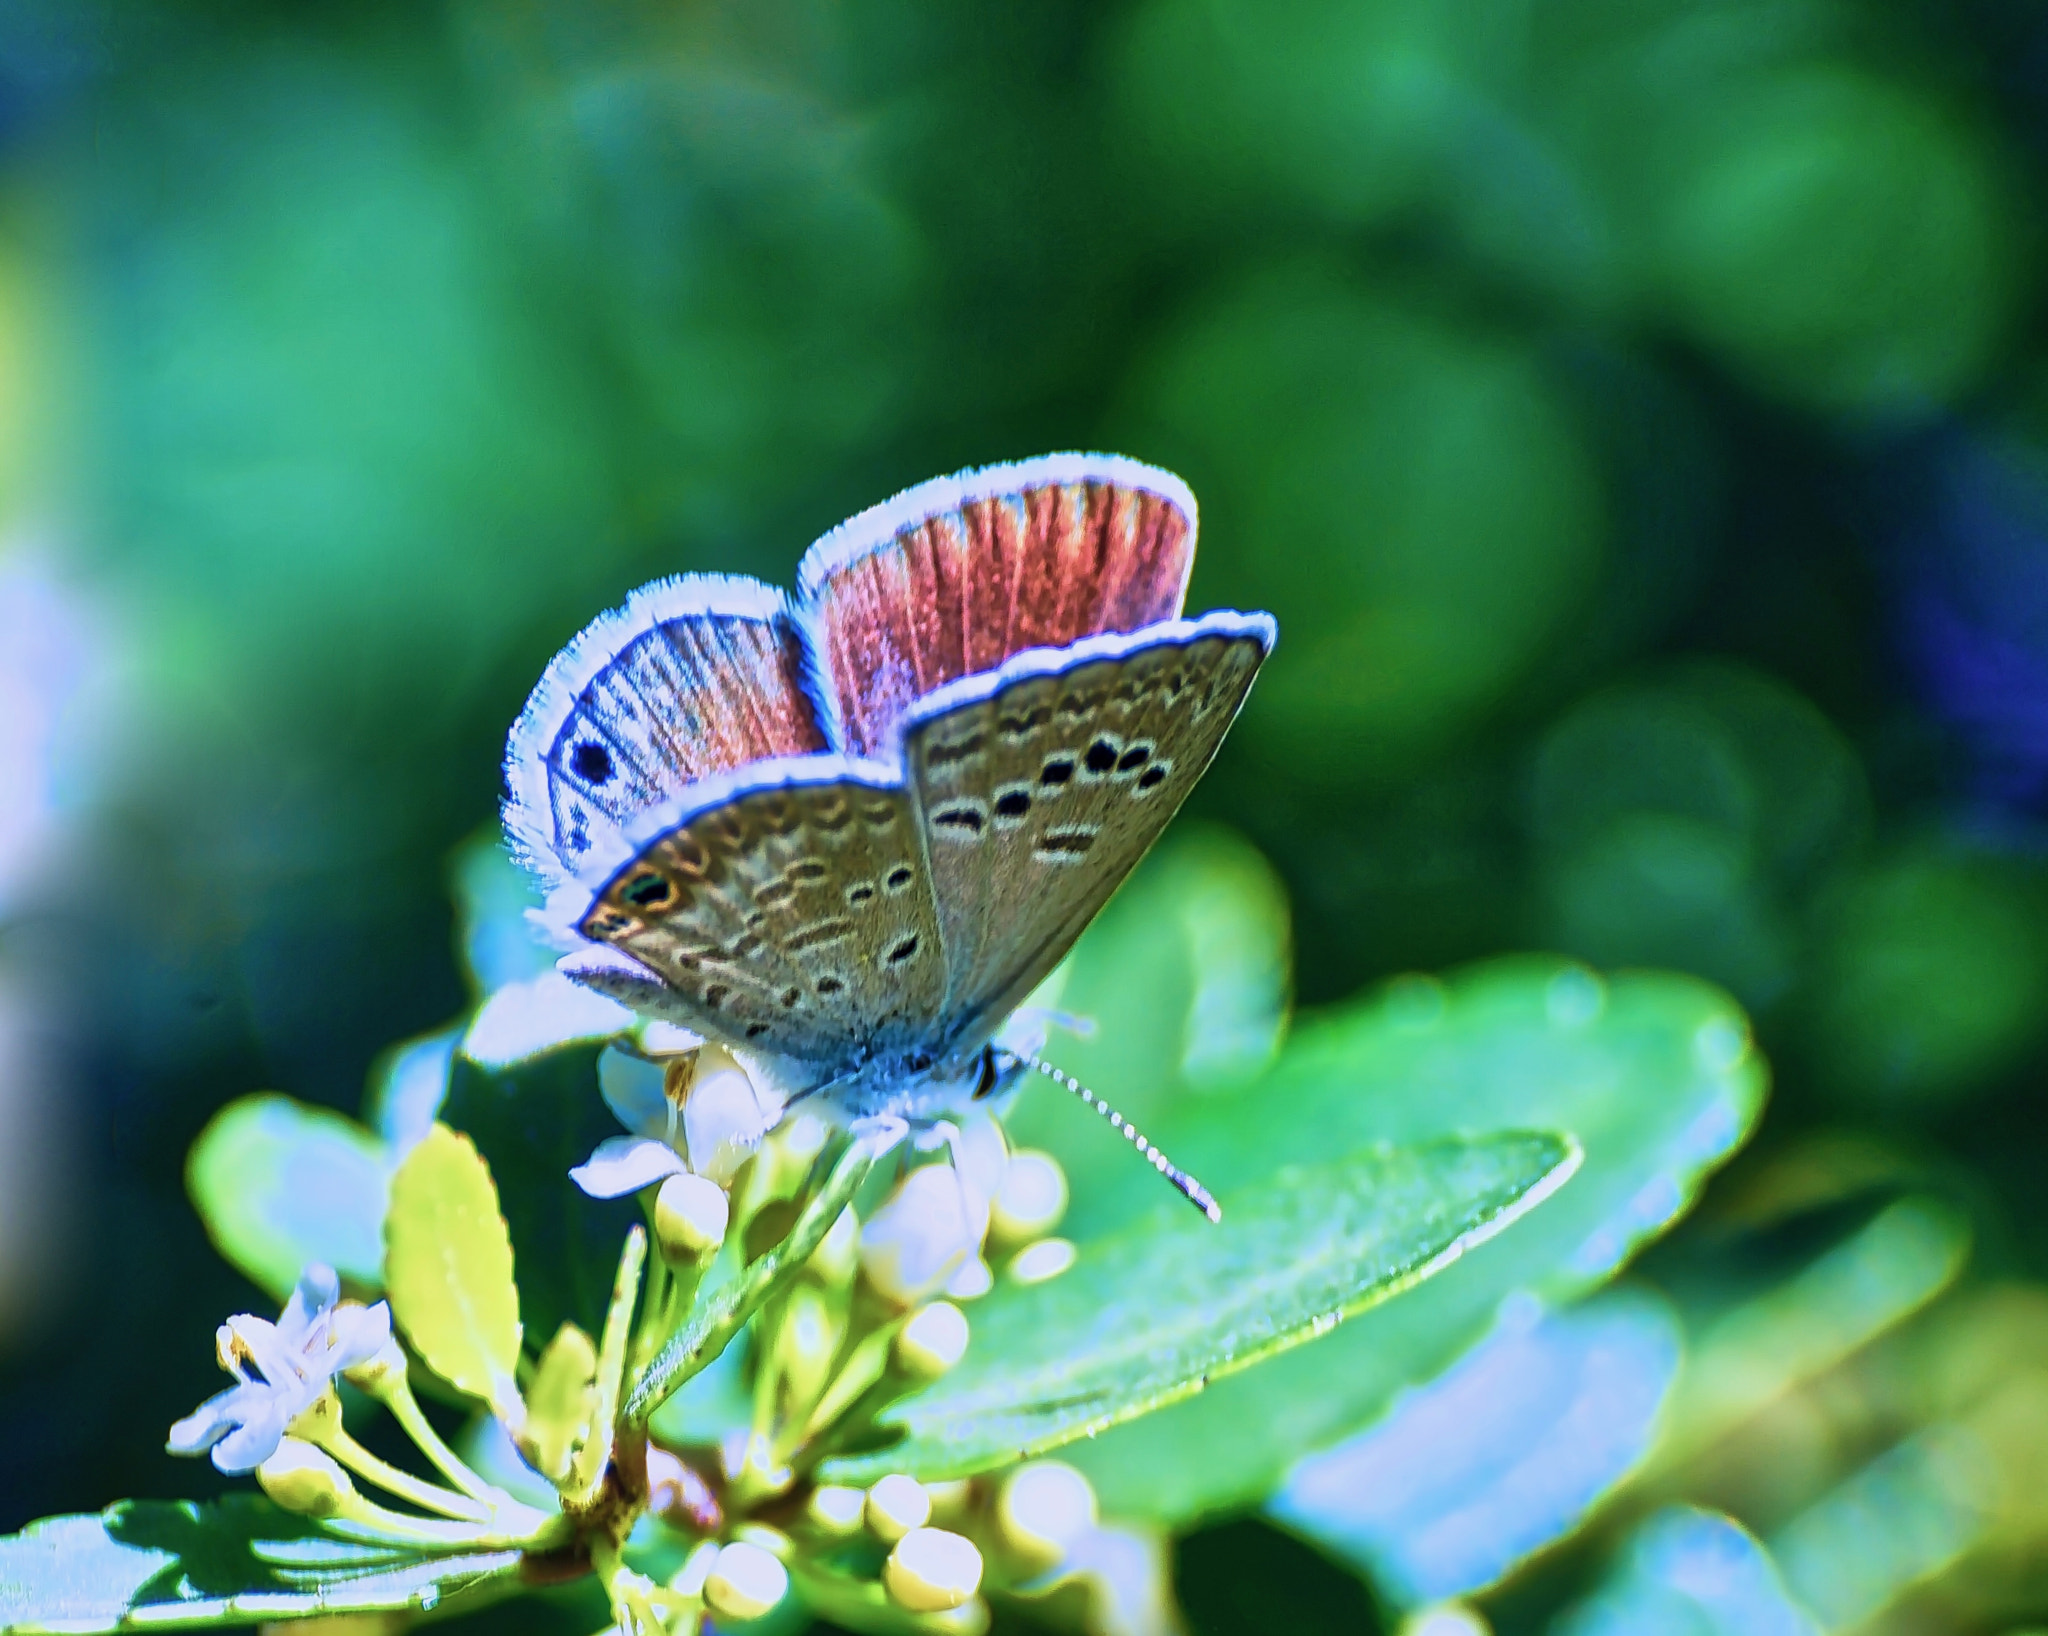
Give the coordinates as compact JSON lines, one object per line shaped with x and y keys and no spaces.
{"x":840,"y":1288}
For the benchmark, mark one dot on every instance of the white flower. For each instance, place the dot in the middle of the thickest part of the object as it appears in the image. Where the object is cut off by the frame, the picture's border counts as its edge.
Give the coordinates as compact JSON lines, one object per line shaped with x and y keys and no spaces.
{"x":723,"y":1115}
{"x":293,"y":1360}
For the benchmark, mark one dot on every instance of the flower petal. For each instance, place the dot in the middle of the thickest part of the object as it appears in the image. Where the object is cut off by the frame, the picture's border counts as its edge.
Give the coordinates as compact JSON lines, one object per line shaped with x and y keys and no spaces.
{"x":357,"y":1335}
{"x":211,"y":1421}
{"x":625,"y":1164}
{"x":632,"y":1089}
{"x":254,"y":1440}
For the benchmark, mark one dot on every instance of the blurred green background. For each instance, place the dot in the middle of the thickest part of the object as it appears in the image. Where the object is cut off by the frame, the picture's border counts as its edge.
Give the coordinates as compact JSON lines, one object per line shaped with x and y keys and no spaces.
{"x":1636,"y":414}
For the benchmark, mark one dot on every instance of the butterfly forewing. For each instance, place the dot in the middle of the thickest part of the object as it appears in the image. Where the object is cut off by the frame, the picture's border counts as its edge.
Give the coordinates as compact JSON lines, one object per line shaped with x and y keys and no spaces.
{"x":954,"y":577}
{"x":1044,"y":785}
{"x":795,"y":917}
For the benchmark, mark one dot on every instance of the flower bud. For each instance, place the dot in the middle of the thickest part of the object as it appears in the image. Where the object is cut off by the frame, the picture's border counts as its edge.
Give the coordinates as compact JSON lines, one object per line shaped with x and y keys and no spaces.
{"x":835,"y":1510}
{"x":304,"y":1479}
{"x":690,"y":1217}
{"x":380,"y":1375}
{"x":931,"y":1341}
{"x":972,"y":1281}
{"x":1046,"y":1259}
{"x":931,"y":1570}
{"x":745,"y":1582}
{"x":726,"y":1114}
{"x":896,"y":1505}
{"x":921,"y":1237}
{"x":1031,"y":1199}
{"x":1041,"y":1509}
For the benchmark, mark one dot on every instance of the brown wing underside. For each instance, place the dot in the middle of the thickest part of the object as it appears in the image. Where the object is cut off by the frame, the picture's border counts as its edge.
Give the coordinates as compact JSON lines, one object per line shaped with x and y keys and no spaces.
{"x":797,"y":919}
{"x":1040,"y":800}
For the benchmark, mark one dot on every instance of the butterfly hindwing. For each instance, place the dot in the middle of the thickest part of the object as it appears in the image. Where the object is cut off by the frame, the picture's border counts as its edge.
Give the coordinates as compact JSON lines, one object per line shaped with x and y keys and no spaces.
{"x":693,"y":677}
{"x":954,"y":577}
{"x":791,"y":912}
{"x":1042,"y":785}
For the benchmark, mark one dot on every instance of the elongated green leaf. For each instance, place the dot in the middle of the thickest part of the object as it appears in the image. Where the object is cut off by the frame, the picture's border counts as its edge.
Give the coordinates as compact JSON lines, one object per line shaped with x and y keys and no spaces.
{"x":1653,"y":1073}
{"x":280,"y":1184}
{"x":448,"y":1267}
{"x":176,"y":1565}
{"x":1159,"y":1311}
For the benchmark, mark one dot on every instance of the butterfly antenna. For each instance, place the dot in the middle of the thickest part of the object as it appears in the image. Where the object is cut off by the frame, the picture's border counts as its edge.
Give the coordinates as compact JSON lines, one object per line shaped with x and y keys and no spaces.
{"x":1188,"y":1188}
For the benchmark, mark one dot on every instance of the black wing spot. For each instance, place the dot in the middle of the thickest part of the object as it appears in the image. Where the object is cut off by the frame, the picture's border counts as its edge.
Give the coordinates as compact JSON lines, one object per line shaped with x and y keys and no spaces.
{"x":903,"y":951}
{"x":1101,"y":756}
{"x":756,"y":1030}
{"x":860,"y":891}
{"x":898,"y":878}
{"x":1012,"y":804}
{"x":1057,"y":770}
{"x":829,"y":984}
{"x":647,"y":891}
{"x":808,"y":870}
{"x":790,"y":996}
{"x":1064,"y":845}
{"x":715,"y":995}
{"x":1133,"y":758}
{"x":965,"y":815}
{"x":592,"y":763}
{"x":1154,"y":776}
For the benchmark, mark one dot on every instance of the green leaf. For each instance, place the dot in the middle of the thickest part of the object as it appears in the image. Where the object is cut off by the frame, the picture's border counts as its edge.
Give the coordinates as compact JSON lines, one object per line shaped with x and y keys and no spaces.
{"x":1159,"y":1311}
{"x":280,"y":1184}
{"x":1653,"y":1073}
{"x":1186,"y":978}
{"x":532,"y":1122}
{"x":172,"y":1565}
{"x":448,"y":1268}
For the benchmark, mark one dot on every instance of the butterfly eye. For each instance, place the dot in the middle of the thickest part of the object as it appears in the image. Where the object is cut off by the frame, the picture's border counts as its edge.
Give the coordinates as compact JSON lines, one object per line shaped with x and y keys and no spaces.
{"x":592,"y":763}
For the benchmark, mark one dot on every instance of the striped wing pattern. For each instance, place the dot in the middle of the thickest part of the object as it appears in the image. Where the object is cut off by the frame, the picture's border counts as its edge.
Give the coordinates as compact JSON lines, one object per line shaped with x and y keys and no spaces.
{"x":957,"y":593}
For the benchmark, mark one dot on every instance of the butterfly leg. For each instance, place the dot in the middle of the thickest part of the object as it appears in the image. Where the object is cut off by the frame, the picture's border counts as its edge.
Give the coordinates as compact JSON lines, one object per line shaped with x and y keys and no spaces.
{"x":880,"y":1133}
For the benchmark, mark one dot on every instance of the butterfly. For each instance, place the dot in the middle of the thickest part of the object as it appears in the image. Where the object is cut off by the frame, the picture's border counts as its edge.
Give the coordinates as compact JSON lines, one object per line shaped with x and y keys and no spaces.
{"x":848,"y":833}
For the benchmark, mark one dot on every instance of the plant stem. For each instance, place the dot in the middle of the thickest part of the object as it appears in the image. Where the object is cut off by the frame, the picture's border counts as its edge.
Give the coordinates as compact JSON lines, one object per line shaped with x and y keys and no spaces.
{"x":587,"y":1475}
{"x":405,"y":1409}
{"x":715,"y":1322}
{"x":414,"y":1490}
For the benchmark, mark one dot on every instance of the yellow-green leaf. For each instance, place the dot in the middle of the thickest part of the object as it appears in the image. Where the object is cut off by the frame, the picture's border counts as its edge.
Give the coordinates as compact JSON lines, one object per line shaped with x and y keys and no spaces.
{"x":448,"y":1269}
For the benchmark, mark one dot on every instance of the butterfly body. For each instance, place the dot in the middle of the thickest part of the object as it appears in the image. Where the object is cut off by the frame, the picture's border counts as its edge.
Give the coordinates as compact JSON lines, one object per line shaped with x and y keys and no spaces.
{"x":848,"y":834}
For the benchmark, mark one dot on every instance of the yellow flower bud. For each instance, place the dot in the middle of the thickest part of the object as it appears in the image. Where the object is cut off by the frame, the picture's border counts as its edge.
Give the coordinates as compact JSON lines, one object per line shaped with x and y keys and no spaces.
{"x":304,"y":1479}
{"x":691,"y":1214}
{"x":319,"y":1420}
{"x":1030,"y":1200}
{"x":1041,"y":1509}
{"x":1047,"y":1259}
{"x":745,"y":1582}
{"x":932,"y":1340}
{"x":835,"y":1510}
{"x":895,"y":1506}
{"x":931,"y":1570}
